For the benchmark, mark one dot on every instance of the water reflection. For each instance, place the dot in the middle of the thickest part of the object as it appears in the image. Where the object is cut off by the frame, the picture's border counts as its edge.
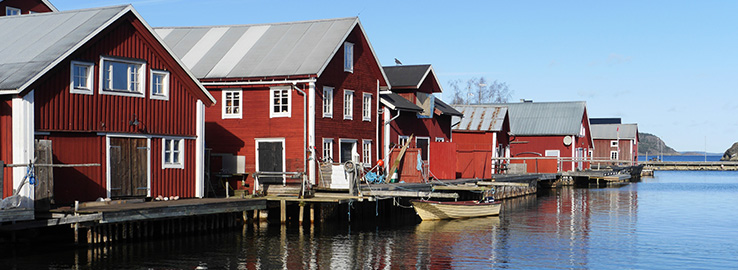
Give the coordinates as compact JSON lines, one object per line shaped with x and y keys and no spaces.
{"x":632,"y":226}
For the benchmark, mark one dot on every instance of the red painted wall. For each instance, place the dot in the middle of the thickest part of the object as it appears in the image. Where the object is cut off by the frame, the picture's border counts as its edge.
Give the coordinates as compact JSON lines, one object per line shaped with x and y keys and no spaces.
{"x":602,"y":150}
{"x":6,"y":144}
{"x":73,"y":120}
{"x":24,"y":5}
{"x":442,"y":161}
{"x":59,"y":110}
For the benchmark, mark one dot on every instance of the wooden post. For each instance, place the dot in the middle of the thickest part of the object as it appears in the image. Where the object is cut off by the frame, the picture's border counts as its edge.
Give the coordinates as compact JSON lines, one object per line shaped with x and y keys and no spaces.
{"x":283,"y":211}
{"x":312,"y":213}
{"x":302,"y":212}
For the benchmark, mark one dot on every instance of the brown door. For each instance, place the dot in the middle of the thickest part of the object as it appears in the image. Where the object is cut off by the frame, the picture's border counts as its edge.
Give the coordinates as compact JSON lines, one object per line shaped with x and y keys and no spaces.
{"x":128,"y":167}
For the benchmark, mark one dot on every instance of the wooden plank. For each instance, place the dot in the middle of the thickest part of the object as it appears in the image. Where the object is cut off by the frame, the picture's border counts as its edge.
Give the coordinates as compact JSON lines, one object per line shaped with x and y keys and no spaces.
{"x":181,"y":211}
{"x":69,"y":219}
{"x":44,"y":194}
{"x":511,"y":184}
{"x":396,"y":162}
{"x":461,"y":188}
{"x":18,"y":214}
{"x":411,"y":194}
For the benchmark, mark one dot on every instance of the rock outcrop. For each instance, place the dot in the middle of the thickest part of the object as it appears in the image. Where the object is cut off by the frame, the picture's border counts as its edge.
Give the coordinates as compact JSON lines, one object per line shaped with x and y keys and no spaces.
{"x":731,"y":154}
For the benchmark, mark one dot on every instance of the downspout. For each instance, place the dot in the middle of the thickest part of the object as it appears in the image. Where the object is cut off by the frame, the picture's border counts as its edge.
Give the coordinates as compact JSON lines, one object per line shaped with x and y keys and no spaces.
{"x":304,"y":137}
{"x":387,"y":135}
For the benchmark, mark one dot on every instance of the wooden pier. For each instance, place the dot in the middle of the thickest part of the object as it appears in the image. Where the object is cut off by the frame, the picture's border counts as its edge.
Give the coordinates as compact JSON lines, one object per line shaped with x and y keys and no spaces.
{"x":691,"y":165}
{"x":599,"y":178}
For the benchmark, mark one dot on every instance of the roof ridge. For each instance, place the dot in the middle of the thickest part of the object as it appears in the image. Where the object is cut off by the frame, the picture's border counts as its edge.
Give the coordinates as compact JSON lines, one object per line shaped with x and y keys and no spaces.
{"x":258,"y":24}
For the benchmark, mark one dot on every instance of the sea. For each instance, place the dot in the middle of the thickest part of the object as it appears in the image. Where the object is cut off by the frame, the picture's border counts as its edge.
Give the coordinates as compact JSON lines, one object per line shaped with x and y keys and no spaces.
{"x":674,"y":220}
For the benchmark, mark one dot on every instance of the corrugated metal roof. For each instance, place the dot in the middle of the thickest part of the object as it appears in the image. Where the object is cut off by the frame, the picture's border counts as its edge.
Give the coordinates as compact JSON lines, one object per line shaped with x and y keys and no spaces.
{"x":397,"y":102}
{"x":32,"y":43}
{"x":546,"y":118}
{"x":610,"y":131}
{"x":480,"y":117}
{"x":446,"y":109}
{"x":280,"y":49}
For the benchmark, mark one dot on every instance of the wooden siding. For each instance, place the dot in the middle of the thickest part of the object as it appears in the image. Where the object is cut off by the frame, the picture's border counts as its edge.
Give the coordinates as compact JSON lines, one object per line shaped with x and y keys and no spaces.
{"x":24,"y":5}
{"x":171,"y":181}
{"x":238,"y":136}
{"x":627,"y":151}
{"x":59,"y":110}
{"x":78,"y":183}
{"x":6,"y":144}
{"x":409,"y":124}
{"x":442,"y":160}
{"x":362,"y":80}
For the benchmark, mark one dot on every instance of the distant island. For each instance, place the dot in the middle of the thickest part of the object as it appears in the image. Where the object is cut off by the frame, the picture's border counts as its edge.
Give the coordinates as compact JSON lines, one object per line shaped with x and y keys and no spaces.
{"x":653,"y":145}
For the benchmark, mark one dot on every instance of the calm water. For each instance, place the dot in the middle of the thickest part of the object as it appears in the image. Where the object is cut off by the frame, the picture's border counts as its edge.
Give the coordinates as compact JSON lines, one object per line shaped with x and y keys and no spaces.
{"x":676,"y":220}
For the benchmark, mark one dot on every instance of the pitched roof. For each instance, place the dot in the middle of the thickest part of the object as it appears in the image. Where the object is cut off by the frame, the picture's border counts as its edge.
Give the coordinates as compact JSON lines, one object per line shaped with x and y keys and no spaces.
{"x":396,"y":102}
{"x":48,"y":4}
{"x":481,"y":117}
{"x":446,"y":109}
{"x":36,"y":43}
{"x":611,"y":132}
{"x":410,"y":76}
{"x":260,"y":50}
{"x":546,"y":118}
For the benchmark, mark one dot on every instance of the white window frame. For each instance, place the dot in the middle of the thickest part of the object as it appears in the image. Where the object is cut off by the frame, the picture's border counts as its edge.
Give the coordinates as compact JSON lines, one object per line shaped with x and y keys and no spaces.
{"x":8,"y":9}
{"x":327,"y":102}
{"x":106,"y":87}
{"x":168,"y":151}
{"x":354,"y":148}
{"x":366,"y":152}
{"x":224,"y":107}
{"x":440,"y":139}
{"x":90,"y":78}
{"x":164,"y":95}
{"x":328,"y":149}
{"x":401,"y":140}
{"x":366,"y":107}
{"x":614,"y":143}
{"x":282,"y":90}
{"x":614,"y":155}
{"x":348,"y":57}
{"x":348,"y":104}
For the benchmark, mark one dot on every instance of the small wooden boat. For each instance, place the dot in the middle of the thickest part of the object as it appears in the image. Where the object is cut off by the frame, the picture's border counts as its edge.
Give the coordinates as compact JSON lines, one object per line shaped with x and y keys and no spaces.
{"x":434,"y":210}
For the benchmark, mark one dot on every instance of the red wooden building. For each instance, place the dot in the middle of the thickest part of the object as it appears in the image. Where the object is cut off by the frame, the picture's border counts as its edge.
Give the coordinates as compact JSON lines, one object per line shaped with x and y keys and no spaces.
{"x":291,"y":94}
{"x":20,"y":7}
{"x":481,"y":136}
{"x":103,"y":89}
{"x":615,"y":144}
{"x":559,"y":131}
{"x":412,"y":109}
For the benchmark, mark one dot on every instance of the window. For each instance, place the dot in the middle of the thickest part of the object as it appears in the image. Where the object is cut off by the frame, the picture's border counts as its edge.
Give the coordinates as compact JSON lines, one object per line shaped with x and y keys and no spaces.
{"x":613,"y":155}
{"x":402,"y":140}
{"x":173,"y":153}
{"x":11,"y":11}
{"x":159,"y":84}
{"x":440,"y":139}
{"x":279,"y":102}
{"x":347,"y":151}
{"x":348,"y":57}
{"x":348,"y":104}
{"x":327,"y":102}
{"x":328,"y":150}
{"x":232,"y":103}
{"x":366,"y":153}
{"x":614,"y":143}
{"x":366,"y":108}
{"x":81,"y":77}
{"x":122,"y":77}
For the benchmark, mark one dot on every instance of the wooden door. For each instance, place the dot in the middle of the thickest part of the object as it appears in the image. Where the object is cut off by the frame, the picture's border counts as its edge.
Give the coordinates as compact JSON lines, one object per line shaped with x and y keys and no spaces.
{"x":270,"y":160}
{"x":128,"y":167}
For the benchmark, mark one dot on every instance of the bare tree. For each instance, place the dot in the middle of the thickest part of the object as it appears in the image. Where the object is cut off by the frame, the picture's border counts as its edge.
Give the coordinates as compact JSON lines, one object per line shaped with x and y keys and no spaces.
{"x":479,"y":91}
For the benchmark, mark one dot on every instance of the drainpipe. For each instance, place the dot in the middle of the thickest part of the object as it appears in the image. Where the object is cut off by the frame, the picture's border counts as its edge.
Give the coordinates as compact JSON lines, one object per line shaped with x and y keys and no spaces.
{"x":304,"y":137}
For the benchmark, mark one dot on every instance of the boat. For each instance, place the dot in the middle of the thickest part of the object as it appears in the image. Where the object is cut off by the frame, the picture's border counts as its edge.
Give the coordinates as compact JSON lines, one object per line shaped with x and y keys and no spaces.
{"x":435,"y":210}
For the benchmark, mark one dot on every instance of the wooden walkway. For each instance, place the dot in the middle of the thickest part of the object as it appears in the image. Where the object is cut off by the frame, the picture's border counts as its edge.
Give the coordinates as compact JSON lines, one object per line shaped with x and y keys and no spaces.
{"x":691,"y":165}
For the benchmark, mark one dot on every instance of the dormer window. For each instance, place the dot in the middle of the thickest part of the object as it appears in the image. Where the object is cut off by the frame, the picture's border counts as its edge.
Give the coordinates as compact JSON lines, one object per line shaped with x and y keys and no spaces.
{"x":11,"y":11}
{"x":348,"y":57}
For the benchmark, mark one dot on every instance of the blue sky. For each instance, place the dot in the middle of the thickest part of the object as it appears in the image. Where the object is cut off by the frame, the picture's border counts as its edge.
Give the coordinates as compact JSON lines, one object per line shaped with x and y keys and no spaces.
{"x":670,"y":66}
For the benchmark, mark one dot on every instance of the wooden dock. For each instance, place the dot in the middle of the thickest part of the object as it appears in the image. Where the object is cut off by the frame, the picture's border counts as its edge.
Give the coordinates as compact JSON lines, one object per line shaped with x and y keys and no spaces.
{"x":599,"y":178}
{"x":691,"y":165}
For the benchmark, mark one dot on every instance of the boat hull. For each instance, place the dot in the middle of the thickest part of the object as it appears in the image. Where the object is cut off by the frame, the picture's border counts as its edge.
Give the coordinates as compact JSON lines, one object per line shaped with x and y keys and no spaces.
{"x":433,"y":210}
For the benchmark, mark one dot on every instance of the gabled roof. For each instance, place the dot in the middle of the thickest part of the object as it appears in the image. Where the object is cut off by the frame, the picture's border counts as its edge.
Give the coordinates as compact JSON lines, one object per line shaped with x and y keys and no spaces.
{"x":446,"y":109}
{"x":48,"y":4}
{"x":36,"y":43}
{"x":546,"y":118}
{"x":614,"y":131}
{"x":481,"y":117}
{"x":411,"y":76}
{"x":396,"y":102}
{"x":260,"y":50}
